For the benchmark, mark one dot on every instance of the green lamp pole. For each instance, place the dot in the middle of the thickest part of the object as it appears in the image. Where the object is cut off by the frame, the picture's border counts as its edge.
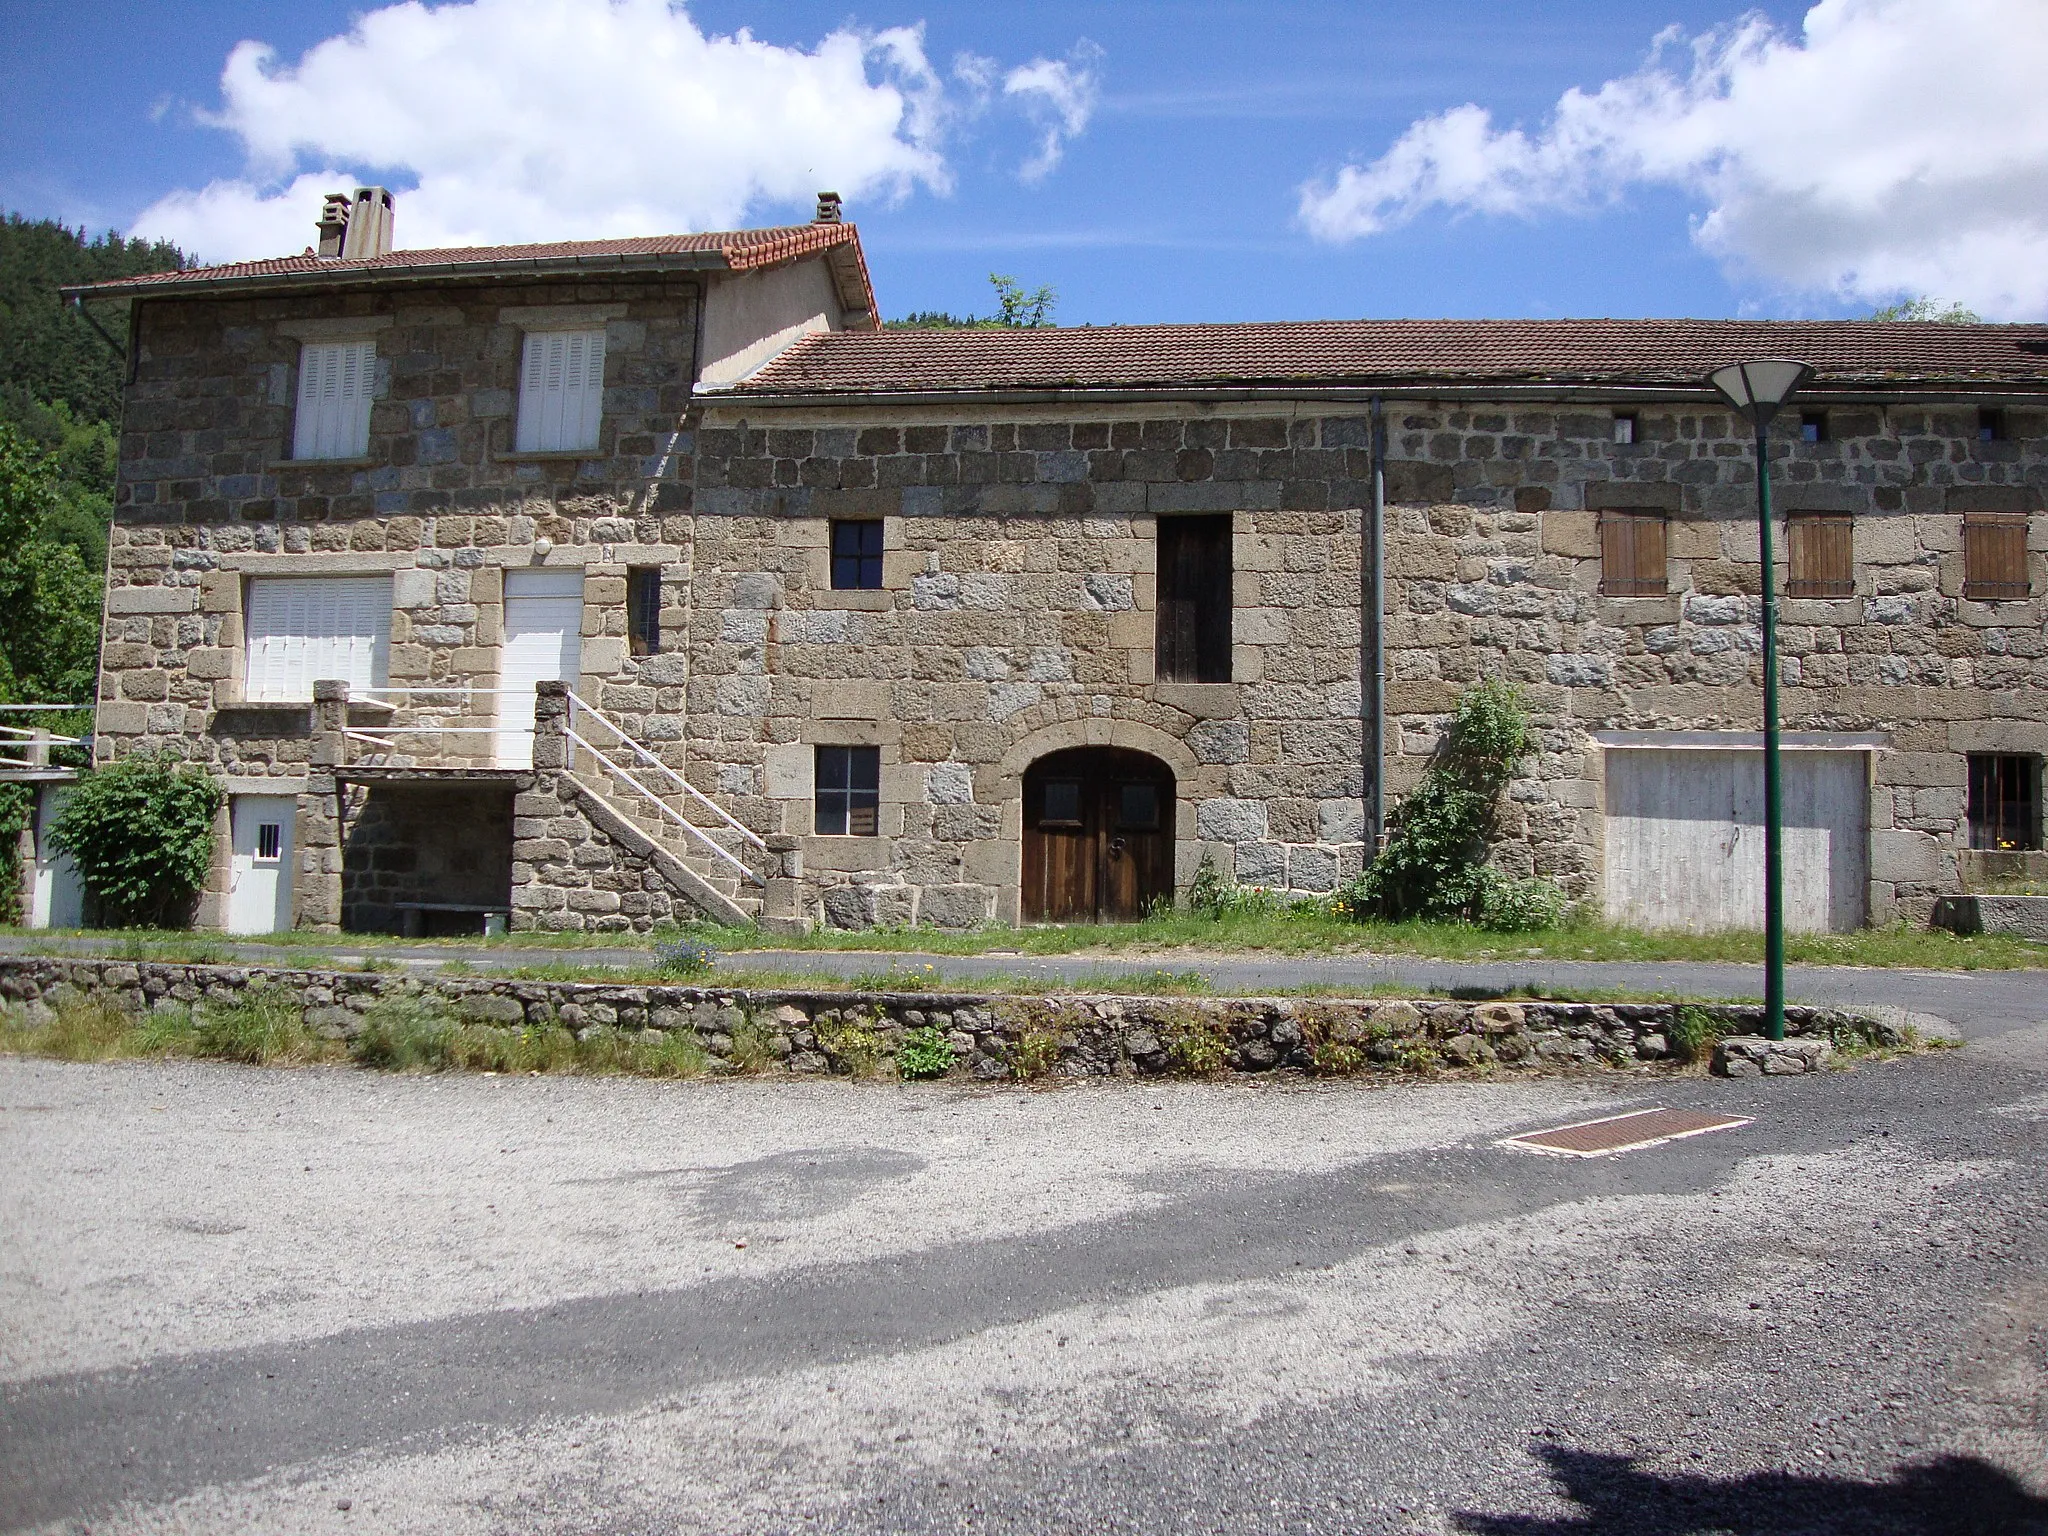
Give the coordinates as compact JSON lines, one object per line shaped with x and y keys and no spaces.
{"x":1757,"y":390}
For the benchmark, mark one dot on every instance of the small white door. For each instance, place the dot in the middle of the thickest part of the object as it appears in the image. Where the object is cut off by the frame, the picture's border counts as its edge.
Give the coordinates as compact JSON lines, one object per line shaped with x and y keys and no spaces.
{"x":543,"y":641}
{"x":58,"y":897}
{"x":260,"y":867}
{"x":1685,"y":839}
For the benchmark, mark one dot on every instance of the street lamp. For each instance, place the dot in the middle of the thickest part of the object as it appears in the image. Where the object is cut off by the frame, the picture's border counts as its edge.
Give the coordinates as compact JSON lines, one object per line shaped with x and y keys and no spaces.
{"x":1757,"y":390}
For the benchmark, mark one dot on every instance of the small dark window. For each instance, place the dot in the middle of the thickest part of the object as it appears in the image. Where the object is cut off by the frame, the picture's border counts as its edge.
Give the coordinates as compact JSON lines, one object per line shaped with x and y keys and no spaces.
{"x":643,"y":610}
{"x":1137,"y":808}
{"x":1625,"y":426}
{"x":849,"y":790}
{"x":1813,"y":426}
{"x":1062,"y":804}
{"x":1995,"y":556}
{"x":1632,"y":554}
{"x":1193,"y":640}
{"x":1990,"y":426}
{"x":2005,"y":801}
{"x":269,"y":839}
{"x":857,"y":555}
{"x":1820,"y":551}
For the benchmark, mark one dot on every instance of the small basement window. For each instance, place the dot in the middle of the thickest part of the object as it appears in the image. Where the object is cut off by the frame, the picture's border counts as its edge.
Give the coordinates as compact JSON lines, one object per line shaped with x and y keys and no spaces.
{"x":1995,"y":556}
{"x":643,"y":609}
{"x":1990,"y":425}
{"x":1625,"y":426}
{"x":1192,"y":639}
{"x":2005,"y":801}
{"x":1820,"y":550}
{"x":849,"y":791}
{"x":857,"y":555}
{"x":1813,"y":426}
{"x":1632,"y":554}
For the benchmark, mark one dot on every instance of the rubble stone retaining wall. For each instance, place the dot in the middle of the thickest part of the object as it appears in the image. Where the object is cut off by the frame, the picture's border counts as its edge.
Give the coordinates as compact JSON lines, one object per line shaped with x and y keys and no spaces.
{"x":993,"y":1035}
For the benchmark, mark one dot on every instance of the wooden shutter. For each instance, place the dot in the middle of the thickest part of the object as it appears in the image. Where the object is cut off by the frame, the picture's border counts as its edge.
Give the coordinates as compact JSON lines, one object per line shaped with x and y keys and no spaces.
{"x":1632,"y":554}
{"x":1995,"y":556}
{"x":336,"y":380}
{"x":561,"y":391}
{"x":1192,"y":641}
{"x":303,"y":629}
{"x":1820,"y":548}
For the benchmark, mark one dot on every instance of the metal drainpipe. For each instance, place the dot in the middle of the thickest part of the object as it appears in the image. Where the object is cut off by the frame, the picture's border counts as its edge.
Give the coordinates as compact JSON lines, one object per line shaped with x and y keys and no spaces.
{"x":1376,"y":609}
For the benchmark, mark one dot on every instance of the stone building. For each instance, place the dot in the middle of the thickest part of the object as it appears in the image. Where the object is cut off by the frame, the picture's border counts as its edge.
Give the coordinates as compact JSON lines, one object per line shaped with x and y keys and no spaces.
{"x":592,"y":585}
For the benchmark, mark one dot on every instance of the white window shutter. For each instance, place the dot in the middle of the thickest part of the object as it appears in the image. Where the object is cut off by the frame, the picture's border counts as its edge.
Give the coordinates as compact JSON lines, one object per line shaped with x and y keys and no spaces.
{"x":336,"y":381}
{"x":561,"y":391}
{"x":303,"y":629}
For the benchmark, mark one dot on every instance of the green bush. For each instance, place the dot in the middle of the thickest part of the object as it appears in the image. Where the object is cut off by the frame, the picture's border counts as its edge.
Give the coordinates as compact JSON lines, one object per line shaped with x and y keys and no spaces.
{"x":925,"y":1052}
{"x":1434,"y":865}
{"x":141,"y":832}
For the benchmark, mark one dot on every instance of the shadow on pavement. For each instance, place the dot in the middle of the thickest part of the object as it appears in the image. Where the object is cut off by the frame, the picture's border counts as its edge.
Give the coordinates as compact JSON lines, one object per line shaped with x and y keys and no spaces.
{"x":1952,"y":1496}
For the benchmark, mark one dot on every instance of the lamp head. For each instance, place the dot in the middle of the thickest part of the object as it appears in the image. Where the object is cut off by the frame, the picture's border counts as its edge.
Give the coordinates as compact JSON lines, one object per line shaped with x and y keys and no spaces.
{"x":1758,"y":388}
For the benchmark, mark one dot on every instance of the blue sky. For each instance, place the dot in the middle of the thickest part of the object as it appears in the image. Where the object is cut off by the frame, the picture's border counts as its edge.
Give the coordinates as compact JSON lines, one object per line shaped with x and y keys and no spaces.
{"x":1186,"y":134}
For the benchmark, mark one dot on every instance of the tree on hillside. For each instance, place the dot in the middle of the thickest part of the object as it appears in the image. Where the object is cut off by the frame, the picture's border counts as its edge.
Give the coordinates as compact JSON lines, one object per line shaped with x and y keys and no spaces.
{"x":1017,"y":308}
{"x":48,"y":354}
{"x":49,"y":643}
{"x":1924,"y":308}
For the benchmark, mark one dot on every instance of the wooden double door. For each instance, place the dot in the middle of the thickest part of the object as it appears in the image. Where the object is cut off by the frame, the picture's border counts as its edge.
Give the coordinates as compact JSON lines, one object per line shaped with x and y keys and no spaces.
{"x":1098,"y":836}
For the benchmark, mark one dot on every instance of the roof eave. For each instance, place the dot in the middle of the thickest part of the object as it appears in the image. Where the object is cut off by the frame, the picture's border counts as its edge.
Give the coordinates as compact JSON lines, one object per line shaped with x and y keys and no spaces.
{"x":383,"y":277}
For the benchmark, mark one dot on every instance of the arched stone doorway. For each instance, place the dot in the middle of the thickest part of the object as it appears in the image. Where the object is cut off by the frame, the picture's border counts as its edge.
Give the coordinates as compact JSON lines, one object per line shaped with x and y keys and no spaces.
{"x":1098,"y":836}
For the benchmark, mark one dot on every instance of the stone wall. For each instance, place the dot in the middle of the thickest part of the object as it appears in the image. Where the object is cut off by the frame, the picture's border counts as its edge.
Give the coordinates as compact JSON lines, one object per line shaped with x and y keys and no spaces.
{"x":994,"y":1036}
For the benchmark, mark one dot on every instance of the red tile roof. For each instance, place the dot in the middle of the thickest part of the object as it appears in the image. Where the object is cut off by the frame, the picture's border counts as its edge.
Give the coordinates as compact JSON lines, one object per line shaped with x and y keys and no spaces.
{"x":735,"y":250}
{"x":1371,"y":353}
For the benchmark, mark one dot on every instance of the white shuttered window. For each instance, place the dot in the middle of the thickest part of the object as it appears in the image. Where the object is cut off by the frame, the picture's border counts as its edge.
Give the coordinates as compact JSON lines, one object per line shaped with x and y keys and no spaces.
{"x":335,"y":382}
{"x":561,"y":391}
{"x":305,"y":628}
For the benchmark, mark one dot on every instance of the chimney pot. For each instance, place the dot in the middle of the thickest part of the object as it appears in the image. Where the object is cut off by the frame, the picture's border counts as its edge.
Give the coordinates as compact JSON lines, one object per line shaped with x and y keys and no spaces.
{"x":369,"y":224}
{"x":333,"y":226}
{"x":828,"y":209}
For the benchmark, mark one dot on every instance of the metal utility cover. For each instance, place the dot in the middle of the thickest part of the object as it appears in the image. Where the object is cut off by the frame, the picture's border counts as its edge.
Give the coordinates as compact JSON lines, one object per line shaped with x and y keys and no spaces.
{"x":1622,"y":1133}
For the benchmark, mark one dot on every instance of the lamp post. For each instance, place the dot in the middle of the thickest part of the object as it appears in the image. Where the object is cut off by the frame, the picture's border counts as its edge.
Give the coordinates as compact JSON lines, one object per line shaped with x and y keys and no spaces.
{"x":1757,"y":390}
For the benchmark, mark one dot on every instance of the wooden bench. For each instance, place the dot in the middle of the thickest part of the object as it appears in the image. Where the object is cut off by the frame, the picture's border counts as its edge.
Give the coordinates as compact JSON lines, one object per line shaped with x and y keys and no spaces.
{"x":412,"y":917}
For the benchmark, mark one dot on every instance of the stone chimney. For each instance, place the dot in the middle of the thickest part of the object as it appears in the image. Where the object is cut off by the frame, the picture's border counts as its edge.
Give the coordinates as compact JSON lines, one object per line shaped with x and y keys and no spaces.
{"x":333,"y":223}
{"x":370,"y":224}
{"x":828,"y":209}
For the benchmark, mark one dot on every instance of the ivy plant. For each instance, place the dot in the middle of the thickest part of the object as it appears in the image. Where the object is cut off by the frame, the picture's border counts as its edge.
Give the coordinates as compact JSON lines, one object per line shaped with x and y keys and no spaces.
{"x":141,"y":832}
{"x":1434,"y":865}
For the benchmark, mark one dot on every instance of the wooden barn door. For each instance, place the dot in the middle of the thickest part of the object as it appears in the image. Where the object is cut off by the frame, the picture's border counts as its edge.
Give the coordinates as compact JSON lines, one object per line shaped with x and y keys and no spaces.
{"x":1098,"y":836}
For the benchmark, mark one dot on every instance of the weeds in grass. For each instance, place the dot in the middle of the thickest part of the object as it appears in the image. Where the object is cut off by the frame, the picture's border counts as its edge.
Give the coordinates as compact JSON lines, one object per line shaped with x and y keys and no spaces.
{"x":851,"y":1044}
{"x":1154,"y":983}
{"x":1035,"y":1053}
{"x":753,"y":1046}
{"x":925,"y":1052}
{"x":1197,"y":1043}
{"x":684,"y":959}
{"x":87,"y":1028}
{"x":1695,"y":1029}
{"x":917,"y":978}
{"x":262,"y":1026}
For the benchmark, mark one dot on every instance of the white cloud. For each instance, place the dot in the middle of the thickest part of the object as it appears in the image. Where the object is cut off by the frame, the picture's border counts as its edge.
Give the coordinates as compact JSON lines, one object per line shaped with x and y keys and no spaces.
{"x":516,"y":120}
{"x":1060,"y":95}
{"x":1898,"y":146}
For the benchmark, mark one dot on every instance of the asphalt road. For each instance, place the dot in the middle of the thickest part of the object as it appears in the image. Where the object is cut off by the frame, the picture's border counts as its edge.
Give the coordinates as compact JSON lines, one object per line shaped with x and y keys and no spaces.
{"x":327,"y":1300}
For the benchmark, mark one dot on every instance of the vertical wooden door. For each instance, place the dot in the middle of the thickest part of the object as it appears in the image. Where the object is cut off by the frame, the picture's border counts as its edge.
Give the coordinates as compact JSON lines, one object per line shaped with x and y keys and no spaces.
{"x":1098,"y":836}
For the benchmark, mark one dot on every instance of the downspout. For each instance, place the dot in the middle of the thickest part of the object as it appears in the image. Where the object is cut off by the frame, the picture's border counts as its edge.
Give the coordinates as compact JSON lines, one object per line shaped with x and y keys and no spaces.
{"x":1376,"y":649}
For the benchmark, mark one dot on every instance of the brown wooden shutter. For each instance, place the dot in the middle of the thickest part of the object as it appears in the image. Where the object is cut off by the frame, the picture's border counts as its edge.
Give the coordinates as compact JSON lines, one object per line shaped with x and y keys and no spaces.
{"x":1194,"y":630}
{"x":1995,"y":556}
{"x":1820,"y":547}
{"x":1632,"y":554}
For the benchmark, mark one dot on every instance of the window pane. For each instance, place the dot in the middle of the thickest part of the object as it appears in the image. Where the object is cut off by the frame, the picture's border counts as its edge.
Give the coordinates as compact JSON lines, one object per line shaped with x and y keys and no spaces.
{"x":2005,"y":801}
{"x":1138,"y":808}
{"x":1062,"y":802}
{"x":643,"y":610}
{"x":1193,"y":634}
{"x":857,"y":555}
{"x":848,"y":798}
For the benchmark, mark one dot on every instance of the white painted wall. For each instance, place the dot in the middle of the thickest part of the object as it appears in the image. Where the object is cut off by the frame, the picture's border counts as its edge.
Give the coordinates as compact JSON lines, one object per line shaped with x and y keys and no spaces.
{"x":1685,"y":839}
{"x":751,"y":316}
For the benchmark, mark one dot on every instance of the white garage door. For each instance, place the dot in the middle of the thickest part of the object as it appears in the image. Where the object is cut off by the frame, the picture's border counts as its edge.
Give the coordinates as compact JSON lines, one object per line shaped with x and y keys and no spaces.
{"x":1685,"y":839}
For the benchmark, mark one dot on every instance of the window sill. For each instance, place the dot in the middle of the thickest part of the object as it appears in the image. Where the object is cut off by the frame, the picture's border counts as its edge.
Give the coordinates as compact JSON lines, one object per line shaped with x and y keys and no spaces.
{"x":357,"y":463}
{"x":552,"y":456}
{"x":853,"y":599}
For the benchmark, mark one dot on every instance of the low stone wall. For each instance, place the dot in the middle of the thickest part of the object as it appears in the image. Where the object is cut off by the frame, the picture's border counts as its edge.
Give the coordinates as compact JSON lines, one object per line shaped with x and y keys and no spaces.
{"x":993,"y":1035}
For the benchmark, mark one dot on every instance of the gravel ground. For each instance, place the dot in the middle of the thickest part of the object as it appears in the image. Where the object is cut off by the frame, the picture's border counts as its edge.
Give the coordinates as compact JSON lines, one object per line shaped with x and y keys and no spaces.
{"x":326,"y":1300}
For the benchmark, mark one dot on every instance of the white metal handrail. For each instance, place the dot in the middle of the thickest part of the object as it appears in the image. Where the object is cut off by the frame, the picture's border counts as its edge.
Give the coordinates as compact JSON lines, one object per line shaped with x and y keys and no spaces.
{"x":673,"y":777}
{"x":28,"y":733}
{"x":667,"y":810}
